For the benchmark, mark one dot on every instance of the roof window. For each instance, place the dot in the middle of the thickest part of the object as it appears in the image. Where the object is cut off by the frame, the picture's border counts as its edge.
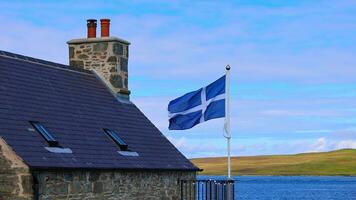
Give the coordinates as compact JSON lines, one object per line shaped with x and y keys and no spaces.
{"x":52,"y":142}
{"x":115,"y":137}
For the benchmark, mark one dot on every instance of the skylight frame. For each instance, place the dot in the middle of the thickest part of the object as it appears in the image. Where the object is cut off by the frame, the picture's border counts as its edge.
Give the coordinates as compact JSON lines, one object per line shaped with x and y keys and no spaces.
{"x":115,"y":137}
{"x":50,"y":139}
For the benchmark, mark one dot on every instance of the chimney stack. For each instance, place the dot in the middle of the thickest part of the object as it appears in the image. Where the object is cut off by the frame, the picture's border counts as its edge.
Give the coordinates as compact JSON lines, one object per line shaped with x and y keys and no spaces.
{"x":108,"y":56}
{"x":91,"y":24}
{"x":105,"y":27}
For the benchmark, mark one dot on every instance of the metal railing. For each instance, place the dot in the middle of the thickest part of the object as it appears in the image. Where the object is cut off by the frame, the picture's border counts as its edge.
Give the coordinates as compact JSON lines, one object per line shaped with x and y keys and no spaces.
{"x":207,"y":189}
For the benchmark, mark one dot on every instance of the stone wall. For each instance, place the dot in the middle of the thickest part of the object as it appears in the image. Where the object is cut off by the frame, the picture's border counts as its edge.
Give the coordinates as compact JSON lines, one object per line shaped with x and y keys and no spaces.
{"x":15,"y":177}
{"x":107,"y":56}
{"x":18,"y":183}
{"x":110,"y":185}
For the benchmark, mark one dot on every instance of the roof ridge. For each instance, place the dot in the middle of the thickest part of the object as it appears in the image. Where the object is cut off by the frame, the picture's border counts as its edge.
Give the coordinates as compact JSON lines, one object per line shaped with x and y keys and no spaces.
{"x":44,"y":62}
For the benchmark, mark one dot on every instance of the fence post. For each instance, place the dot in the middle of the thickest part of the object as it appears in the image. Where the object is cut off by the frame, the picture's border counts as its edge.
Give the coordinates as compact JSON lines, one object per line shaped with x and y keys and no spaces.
{"x":230,"y":189}
{"x":207,"y":189}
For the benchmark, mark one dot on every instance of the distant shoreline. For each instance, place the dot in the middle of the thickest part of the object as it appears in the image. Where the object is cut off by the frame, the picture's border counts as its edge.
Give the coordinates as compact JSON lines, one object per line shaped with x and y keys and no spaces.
{"x":333,"y":163}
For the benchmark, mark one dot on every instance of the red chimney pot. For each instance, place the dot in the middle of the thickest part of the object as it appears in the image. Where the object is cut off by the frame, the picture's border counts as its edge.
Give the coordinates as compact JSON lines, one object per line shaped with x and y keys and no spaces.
{"x":91,"y":24}
{"x":105,"y":27}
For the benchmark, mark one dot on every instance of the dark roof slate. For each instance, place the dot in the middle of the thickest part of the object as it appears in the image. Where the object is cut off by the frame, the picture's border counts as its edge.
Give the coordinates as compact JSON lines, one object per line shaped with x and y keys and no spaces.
{"x":75,"y":106}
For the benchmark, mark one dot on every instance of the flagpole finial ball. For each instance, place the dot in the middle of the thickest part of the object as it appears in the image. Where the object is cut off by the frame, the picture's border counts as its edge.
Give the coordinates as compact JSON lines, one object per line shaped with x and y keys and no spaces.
{"x":228,"y":67}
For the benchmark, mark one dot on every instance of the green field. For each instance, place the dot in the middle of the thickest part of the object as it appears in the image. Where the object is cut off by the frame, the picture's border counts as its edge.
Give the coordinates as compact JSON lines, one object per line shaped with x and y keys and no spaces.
{"x":340,"y":162}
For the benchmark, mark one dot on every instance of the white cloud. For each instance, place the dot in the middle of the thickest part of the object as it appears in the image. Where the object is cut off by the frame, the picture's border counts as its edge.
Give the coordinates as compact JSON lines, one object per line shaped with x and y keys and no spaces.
{"x":323,"y":144}
{"x":345,"y":144}
{"x":319,"y":146}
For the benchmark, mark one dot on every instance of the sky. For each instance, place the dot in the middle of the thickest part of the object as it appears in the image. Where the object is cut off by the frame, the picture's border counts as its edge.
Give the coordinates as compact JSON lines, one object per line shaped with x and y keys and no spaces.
{"x":293,"y":65}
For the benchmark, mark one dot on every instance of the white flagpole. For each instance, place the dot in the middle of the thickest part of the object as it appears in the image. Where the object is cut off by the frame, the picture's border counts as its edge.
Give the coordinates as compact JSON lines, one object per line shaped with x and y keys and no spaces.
{"x":227,"y":119}
{"x":228,"y":132}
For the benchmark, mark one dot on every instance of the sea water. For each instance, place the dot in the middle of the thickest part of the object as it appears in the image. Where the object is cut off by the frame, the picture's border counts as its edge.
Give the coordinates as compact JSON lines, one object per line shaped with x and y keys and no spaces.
{"x":292,"y":187}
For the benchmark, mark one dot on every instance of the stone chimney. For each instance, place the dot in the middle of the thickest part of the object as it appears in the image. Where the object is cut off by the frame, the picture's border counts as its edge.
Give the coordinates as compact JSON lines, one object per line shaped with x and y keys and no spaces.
{"x":107,"y":56}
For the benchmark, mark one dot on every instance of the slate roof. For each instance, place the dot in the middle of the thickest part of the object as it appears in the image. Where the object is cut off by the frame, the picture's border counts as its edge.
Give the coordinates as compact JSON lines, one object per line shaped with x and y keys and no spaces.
{"x":75,"y":106}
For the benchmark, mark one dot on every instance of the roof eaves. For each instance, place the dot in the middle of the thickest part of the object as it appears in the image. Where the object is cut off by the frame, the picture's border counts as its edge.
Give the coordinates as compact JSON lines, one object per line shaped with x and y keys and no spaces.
{"x":115,"y":168}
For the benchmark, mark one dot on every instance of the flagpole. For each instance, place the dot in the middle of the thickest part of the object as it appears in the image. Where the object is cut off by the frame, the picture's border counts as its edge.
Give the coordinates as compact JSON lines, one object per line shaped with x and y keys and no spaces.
{"x":227,"y":120}
{"x":228,"y":131}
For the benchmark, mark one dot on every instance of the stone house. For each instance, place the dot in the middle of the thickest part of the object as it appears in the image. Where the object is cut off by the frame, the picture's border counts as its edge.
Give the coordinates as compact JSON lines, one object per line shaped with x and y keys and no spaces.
{"x":71,"y":131}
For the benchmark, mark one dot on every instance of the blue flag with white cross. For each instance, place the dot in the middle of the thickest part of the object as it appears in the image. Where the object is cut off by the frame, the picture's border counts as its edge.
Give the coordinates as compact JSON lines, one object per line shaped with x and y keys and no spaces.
{"x":198,"y":106}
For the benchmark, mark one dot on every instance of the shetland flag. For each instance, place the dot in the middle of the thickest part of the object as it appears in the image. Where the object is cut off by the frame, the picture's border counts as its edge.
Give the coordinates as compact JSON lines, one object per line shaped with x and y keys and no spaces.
{"x":198,"y":106}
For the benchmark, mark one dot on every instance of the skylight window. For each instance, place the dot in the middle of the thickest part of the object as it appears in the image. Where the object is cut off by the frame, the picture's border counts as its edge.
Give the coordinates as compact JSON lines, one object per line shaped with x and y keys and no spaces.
{"x":52,"y":142}
{"x":115,"y":137}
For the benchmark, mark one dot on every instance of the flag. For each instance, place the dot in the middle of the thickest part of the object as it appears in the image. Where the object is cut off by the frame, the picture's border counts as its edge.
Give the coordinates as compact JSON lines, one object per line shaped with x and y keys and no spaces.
{"x":198,"y":106}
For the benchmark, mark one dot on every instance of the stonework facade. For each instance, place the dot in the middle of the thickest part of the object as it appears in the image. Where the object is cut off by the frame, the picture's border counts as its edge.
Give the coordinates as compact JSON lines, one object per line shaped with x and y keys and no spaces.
{"x":18,"y":182}
{"x":15,"y":177}
{"x":108,"y":56}
{"x":110,"y":185}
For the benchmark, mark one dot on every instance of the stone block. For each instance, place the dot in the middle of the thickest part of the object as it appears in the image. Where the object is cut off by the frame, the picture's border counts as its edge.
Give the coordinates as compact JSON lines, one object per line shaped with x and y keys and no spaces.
{"x":100,"y":47}
{"x":61,"y":188}
{"x":68,"y":176}
{"x":75,"y":187}
{"x":113,"y":69}
{"x":98,"y":187}
{"x":118,"y":49}
{"x":71,"y":52}
{"x":112,"y":59}
{"x":26,"y":182}
{"x":123,"y":64}
{"x":87,"y":50}
{"x":126,"y":82}
{"x":94,"y":176}
{"x":116,"y":80}
{"x":83,"y":56}
{"x":77,"y":63}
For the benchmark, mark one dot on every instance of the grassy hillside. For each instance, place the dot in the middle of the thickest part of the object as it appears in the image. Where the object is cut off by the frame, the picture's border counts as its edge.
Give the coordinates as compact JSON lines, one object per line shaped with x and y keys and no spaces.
{"x":340,"y":162}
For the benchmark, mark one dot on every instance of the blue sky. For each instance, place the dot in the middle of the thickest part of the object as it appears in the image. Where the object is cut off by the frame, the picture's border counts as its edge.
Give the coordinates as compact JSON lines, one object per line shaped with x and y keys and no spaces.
{"x":293,"y":64}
